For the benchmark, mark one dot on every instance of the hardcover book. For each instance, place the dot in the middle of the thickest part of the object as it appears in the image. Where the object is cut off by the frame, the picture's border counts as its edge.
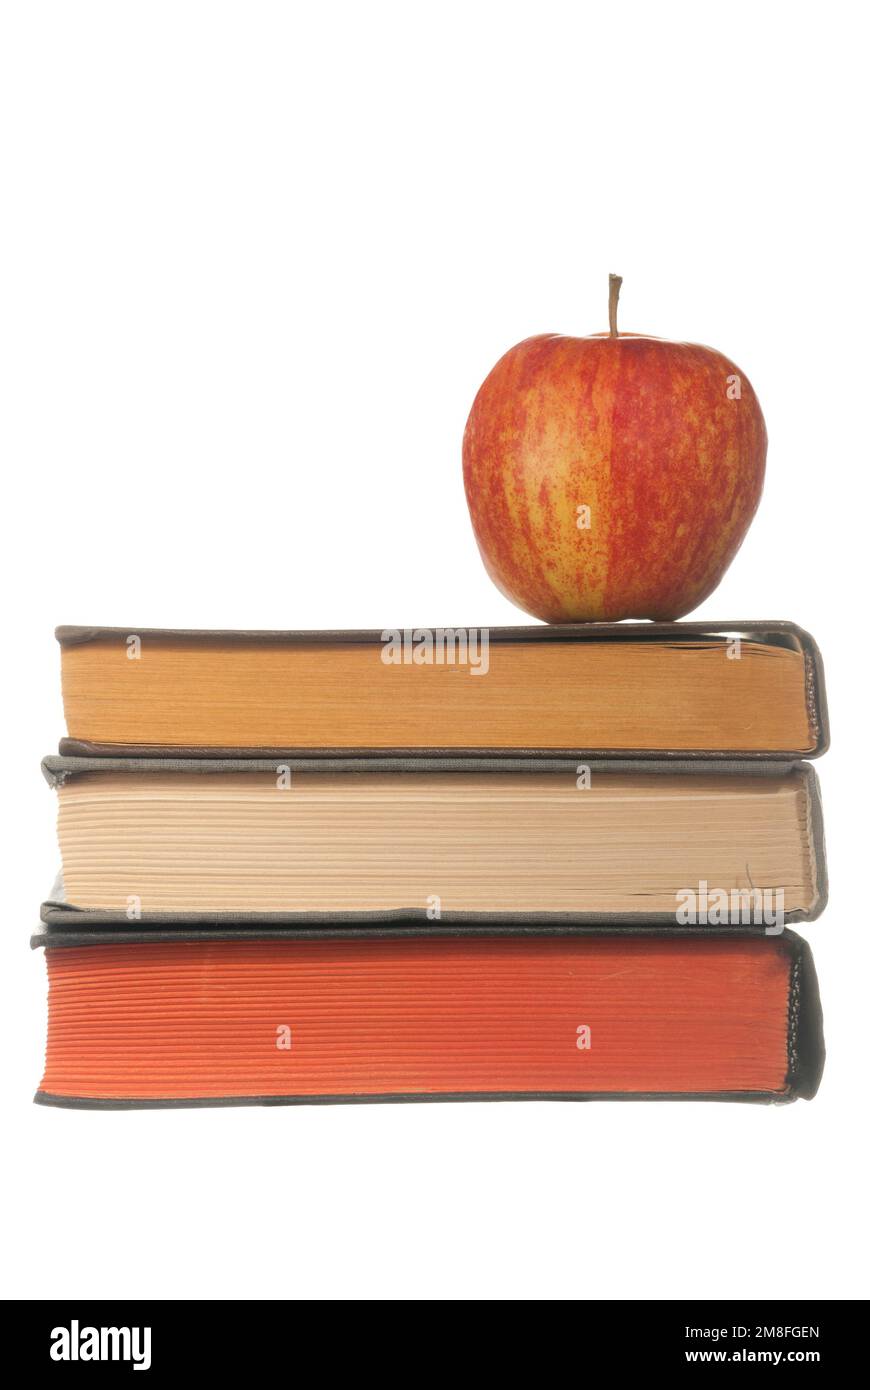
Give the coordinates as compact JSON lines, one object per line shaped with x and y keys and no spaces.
{"x":712,"y":690}
{"x":213,"y":1017}
{"x":458,"y":840}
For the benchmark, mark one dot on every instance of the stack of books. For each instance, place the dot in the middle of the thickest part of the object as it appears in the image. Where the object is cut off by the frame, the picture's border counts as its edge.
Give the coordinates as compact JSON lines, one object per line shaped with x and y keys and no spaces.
{"x":555,"y":863}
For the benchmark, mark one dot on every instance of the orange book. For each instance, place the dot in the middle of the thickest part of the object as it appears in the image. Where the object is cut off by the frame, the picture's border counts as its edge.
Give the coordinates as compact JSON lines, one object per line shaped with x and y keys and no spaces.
{"x":752,"y":690}
{"x":218,"y":1017}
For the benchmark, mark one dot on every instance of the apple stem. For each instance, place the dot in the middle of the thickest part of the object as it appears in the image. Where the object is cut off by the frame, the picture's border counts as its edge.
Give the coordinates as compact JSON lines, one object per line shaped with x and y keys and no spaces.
{"x":615,"y":286}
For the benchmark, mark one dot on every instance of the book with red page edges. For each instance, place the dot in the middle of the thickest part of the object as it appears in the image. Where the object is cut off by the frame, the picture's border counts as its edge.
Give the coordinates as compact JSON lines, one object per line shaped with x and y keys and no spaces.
{"x":188,"y":1017}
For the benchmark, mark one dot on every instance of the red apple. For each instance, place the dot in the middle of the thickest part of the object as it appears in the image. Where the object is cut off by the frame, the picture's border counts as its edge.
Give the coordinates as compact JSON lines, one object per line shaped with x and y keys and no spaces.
{"x":612,"y":476}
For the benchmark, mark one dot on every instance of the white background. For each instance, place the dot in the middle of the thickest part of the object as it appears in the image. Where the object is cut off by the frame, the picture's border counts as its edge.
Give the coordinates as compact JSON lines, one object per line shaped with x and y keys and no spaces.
{"x":256,"y":260}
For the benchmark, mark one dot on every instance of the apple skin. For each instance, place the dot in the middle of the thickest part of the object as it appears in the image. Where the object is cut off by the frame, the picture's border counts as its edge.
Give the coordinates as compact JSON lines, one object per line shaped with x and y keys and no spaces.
{"x":644,"y":432}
